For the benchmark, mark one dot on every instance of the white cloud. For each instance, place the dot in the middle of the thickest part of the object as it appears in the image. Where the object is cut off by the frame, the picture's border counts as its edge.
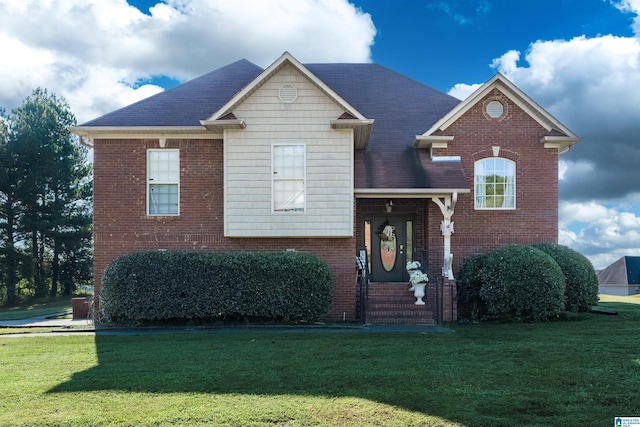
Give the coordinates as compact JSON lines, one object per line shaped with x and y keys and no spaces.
{"x":590,"y":84}
{"x":632,"y":6}
{"x":462,"y":91}
{"x":581,"y":79}
{"x":94,"y":52}
{"x":587,"y":212}
{"x":601,"y":233}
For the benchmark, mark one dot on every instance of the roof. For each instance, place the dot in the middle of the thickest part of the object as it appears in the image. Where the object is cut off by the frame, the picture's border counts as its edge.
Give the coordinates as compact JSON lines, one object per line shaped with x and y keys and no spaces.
{"x":625,"y":271}
{"x":186,"y":104}
{"x":399,"y":107}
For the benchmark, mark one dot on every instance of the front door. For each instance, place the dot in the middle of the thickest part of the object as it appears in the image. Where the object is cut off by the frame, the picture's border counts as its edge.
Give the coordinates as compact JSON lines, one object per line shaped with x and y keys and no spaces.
{"x":391,"y":239}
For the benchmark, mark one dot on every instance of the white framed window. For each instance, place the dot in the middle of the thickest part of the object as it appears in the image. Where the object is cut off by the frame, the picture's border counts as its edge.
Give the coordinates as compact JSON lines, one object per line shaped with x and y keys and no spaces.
{"x":288,"y":166}
{"x":495,"y":183}
{"x":163,"y":182}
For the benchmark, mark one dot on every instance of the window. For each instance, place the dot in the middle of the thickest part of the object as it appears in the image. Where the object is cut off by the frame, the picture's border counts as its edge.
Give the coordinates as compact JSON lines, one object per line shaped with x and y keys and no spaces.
{"x":288,"y":178}
{"x":495,"y":184}
{"x":163,"y":182}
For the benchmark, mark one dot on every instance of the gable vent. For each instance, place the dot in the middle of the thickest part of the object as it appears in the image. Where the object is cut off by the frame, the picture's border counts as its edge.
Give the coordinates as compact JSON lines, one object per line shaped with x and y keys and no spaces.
{"x":288,"y":93}
{"x":495,"y":109}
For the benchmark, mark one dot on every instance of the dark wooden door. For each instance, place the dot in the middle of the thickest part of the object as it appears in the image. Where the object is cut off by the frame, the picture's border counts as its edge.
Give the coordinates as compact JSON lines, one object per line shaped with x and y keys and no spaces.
{"x":389,"y":238}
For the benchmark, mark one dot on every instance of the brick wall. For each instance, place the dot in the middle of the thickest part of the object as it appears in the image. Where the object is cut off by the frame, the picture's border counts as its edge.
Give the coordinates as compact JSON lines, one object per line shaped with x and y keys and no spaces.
{"x":122,"y":226}
{"x":535,"y":218}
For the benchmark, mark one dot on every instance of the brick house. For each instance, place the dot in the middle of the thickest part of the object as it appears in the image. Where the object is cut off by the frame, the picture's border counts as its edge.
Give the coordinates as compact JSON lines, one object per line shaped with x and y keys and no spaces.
{"x":323,"y":158}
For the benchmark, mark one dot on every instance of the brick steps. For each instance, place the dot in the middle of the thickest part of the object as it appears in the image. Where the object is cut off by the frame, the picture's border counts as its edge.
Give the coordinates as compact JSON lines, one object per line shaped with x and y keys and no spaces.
{"x":394,"y":304}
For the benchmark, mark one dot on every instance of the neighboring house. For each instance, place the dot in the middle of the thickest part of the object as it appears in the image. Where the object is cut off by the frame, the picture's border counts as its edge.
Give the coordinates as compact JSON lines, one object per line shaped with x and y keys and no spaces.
{"x":621,"y":278}
{"x":323,"y":158}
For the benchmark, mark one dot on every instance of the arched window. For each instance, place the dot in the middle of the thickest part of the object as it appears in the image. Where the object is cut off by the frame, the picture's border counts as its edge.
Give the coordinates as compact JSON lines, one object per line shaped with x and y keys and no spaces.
{"x":495,"y":183}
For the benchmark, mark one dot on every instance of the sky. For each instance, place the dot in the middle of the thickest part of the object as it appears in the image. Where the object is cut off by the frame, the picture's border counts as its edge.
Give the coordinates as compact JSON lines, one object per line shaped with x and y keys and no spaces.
{"x":578,"y":59}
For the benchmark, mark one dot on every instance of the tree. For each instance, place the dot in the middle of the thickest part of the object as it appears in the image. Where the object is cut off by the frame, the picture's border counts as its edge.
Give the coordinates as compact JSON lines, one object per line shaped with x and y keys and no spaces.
{"x":9,"y":208}
{"x":46,"y":191}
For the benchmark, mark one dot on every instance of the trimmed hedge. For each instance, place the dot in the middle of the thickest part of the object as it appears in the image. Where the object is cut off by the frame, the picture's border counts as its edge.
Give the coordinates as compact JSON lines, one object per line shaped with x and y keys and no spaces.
{"x":581,"y":292}
{"x":168,"y":285}
{"x":514,"y":282}
{"x":522,"y":282}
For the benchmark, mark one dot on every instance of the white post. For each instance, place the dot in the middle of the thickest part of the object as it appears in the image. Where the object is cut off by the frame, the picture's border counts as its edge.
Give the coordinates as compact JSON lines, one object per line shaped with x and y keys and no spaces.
{"x":447,"y":206}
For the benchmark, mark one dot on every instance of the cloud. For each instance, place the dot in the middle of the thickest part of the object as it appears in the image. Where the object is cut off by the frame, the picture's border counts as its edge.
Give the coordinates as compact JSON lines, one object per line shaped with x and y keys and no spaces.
{"x":630,"y":6}
{"x":588,"y":83}
{"x":462,"y":91}
{"x":95,"y":53}
{"x":602,"y":234}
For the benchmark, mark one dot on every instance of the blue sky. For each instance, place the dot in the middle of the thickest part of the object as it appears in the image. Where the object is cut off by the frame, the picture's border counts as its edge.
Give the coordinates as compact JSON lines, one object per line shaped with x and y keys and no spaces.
{"x":579,"y":59}
{"x":442,"y":43}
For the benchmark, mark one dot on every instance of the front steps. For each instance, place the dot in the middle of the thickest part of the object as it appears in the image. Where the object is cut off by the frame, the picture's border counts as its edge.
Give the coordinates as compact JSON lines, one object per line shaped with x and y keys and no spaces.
{"x":394,"y":304}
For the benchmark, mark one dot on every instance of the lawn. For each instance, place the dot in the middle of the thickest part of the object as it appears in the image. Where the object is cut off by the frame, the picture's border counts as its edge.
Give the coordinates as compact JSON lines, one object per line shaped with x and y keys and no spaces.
{"x":23,"y":311}
{"x":572,"y":373}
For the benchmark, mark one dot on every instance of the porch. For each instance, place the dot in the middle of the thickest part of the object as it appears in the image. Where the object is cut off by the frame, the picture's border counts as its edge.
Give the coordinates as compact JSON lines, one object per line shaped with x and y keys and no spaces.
{"x":392,"y":232}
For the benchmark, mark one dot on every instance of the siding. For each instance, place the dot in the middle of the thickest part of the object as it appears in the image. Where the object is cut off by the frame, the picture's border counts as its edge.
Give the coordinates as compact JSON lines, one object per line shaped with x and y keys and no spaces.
{"x":329,"y":164}
{"x":121,"y":224}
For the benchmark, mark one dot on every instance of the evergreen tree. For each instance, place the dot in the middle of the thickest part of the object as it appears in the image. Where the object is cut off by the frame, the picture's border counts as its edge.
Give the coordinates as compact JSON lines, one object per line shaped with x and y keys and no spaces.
{"x":9,"y":210}
{"x":51,"y":191}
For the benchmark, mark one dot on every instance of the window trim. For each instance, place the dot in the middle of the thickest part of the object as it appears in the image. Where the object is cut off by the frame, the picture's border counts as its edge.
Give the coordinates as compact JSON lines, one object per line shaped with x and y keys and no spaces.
{"x":149,"y":181}
{"x":274,"y":178}
{"x":475,"y":185}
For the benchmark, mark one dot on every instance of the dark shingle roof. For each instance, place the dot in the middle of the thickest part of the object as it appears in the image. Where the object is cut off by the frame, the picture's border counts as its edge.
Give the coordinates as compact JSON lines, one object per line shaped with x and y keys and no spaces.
{"x":186,"y":104}
{"x":402,"y":108}
{"x":625,"y":271}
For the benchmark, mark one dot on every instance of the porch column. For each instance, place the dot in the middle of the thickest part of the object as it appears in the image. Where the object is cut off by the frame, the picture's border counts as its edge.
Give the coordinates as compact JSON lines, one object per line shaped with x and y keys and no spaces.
{"x":447,"y":204}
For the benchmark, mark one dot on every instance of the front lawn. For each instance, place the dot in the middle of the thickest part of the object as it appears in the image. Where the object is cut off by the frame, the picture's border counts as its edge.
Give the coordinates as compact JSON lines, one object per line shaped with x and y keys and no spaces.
{"x":33,"y":309}
{"x":574,"y":373}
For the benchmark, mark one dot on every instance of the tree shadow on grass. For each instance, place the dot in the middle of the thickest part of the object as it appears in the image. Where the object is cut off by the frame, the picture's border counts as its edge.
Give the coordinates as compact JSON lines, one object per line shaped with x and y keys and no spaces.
{"x":483,"y":375}
{"x":387,"y":368}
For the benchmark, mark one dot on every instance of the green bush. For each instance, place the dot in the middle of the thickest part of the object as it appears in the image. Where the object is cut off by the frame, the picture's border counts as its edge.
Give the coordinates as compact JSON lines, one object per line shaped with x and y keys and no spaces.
{"x":166,"y":285}
{"x":512,"y":283}
{"x":469,"y":283}
{"x":581,"y":292}
{"x":522,"y":282}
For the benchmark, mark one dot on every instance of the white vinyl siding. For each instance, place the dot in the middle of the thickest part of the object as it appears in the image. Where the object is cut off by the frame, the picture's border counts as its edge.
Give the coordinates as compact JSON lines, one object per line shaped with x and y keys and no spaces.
{"x":163,"y":182}
{"x":328,"y":164}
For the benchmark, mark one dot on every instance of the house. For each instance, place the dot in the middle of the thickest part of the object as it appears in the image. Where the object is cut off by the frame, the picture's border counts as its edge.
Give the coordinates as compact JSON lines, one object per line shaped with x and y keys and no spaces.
{"x":324,"y":158}
{"x":621,"y":278}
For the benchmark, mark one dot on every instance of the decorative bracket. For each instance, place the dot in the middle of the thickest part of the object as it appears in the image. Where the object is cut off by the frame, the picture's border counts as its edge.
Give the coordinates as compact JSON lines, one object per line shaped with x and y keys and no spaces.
{"x":447,"y":206}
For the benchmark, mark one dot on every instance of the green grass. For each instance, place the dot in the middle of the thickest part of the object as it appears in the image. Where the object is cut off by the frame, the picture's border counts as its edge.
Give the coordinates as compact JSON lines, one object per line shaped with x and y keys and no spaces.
{"x":33,"y":309}
{"x":574,"y":373}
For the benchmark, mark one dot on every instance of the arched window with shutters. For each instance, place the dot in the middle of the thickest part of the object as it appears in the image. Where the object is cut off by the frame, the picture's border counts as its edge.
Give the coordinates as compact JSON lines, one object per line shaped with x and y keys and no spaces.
{"x":495,"y":183}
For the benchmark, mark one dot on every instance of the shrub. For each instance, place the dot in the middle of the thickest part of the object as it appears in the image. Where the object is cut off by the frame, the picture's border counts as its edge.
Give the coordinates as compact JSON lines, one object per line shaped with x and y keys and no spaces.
{"x":469,"y":283}
{"x":522,"y":282}
{"x":163,"y":285}
{"x":581,"y":292}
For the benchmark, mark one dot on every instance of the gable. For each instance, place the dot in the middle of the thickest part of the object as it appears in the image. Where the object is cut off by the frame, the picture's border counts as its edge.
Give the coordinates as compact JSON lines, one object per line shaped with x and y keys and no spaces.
{"x":300,"y":117}
{"x":350,"y":119}
{"x":557,"y":135}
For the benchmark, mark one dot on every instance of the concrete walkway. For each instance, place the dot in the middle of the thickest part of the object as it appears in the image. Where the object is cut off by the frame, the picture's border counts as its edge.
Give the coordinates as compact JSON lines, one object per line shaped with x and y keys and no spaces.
{"x":83,"y":326}
{"x":47,"y":321}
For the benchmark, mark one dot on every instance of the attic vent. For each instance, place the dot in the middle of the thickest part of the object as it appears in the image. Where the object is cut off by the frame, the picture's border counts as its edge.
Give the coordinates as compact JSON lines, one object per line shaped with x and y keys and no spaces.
{"x":495,"y":109}
{"x":288,"y":93}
